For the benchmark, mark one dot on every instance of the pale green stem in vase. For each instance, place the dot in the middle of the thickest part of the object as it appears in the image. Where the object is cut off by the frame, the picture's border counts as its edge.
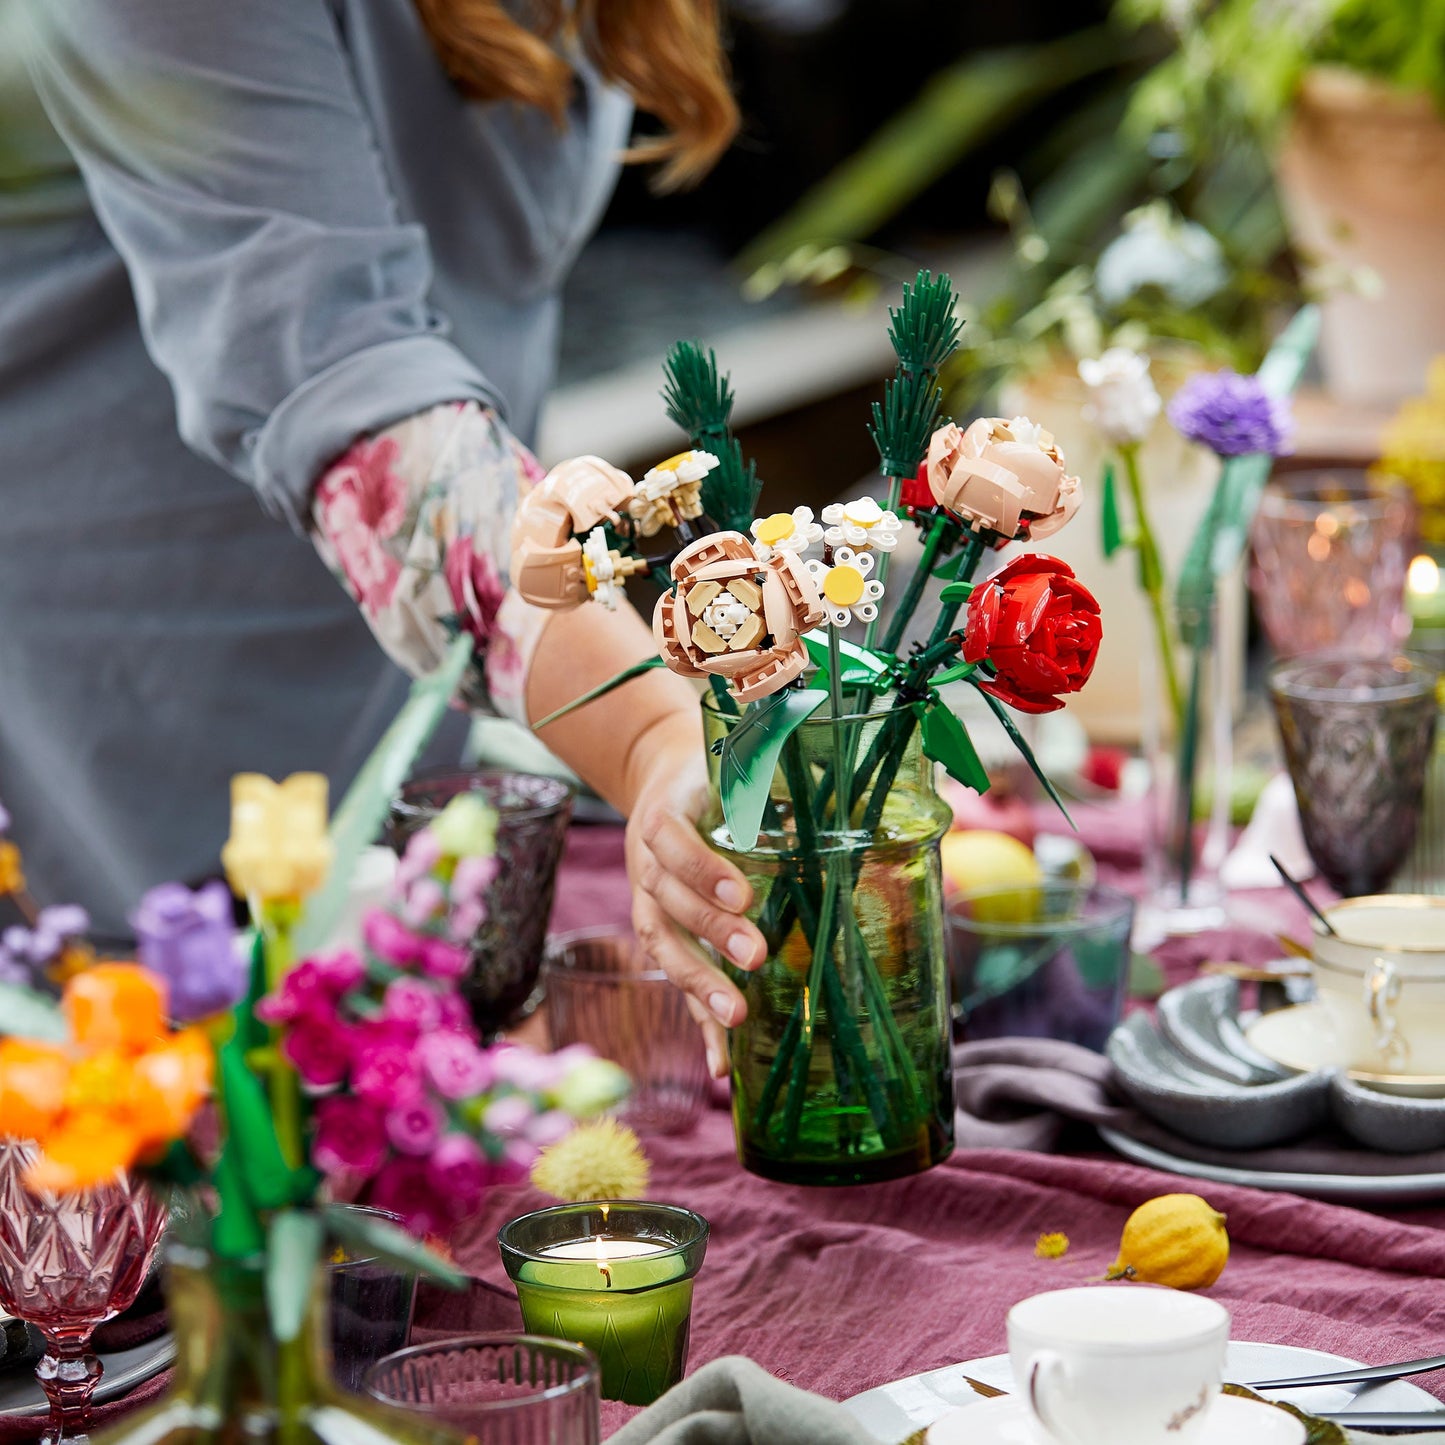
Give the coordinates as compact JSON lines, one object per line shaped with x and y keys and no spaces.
{"x":275,"y":921}
{"x":1151,"y":579}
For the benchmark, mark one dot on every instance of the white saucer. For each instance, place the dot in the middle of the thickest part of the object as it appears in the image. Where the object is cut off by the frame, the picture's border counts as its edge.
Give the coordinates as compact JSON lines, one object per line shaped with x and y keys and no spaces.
{"x":1303,"y":1038}
{"x":893,"y":1411}
{"x":1005,"y":1421}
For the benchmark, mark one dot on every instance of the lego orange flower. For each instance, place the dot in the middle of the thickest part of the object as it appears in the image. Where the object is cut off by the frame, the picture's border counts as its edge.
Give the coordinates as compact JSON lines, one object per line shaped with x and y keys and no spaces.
{"x":170,"y":1083}
{"x":85,"y":1150}
{"x":278,"y":847}
{"x":115,"y":1006}
{"x":33,"y":1081}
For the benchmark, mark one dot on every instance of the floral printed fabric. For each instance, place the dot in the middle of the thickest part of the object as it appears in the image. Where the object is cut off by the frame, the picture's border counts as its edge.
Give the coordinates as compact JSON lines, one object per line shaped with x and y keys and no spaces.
{"x":416,"y":522}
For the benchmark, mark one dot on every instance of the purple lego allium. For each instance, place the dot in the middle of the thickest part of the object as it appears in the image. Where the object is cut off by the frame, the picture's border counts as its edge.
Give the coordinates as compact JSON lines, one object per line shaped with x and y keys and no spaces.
{"x":189,"y":939}
{"x":1232,"y":415}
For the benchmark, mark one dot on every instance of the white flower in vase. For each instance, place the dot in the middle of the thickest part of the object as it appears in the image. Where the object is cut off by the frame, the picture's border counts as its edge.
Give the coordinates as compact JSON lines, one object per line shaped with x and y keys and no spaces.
{"x":793,"y":531}
{"x":1123,"y":402}
{"x":848,"y":591}
{"x":861,"y":524}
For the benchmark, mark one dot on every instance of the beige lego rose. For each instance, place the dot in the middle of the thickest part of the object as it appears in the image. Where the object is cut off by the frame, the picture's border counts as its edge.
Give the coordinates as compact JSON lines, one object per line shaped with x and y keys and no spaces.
{"x":737,"y":616}
{"x":549,"y":567}
{"x":1003,"y":477}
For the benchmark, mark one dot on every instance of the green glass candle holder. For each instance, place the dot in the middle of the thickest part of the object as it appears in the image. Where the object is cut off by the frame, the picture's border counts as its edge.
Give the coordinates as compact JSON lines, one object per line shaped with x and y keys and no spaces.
{"x":617,"y":1277}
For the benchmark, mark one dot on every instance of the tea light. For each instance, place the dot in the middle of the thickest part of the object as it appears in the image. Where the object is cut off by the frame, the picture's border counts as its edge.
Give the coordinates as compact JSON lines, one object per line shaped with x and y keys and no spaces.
{"x":616,"y":1277}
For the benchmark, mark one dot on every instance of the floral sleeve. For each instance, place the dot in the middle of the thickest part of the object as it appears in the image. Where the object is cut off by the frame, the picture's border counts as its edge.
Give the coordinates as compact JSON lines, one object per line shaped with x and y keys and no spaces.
{"x":415,"y":522}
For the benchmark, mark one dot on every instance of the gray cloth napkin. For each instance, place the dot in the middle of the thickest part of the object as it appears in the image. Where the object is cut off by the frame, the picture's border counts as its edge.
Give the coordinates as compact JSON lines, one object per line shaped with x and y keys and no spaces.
{"x":1019,"y":1094}
{"x":732,"y":1401}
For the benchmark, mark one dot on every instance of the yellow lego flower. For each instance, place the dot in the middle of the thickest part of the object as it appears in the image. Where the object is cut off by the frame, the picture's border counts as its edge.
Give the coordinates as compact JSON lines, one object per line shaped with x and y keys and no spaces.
{"x":12,"y":874}
{"x":278,"y":848}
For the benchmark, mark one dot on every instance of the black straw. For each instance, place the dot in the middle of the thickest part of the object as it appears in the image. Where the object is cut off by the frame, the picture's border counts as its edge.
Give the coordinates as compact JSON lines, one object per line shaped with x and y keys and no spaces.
{"x":1298,"y":891}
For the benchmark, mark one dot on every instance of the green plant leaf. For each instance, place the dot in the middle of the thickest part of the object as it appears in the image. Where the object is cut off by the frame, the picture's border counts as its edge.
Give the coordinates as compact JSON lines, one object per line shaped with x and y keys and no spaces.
{"x":601,"y":690}
{"x":947,"y":570}
{"x":31,"y":1015}
{"x":251,"y":1134}
{"x":356,"y":824}
{"x":236,"y":1232}
{"x":956,"y":673}
{"x":947,"y":742}
{"x":957,"y":591}
{"x":1112,"y":527}
{"x":750,"y":755}
{"x":1021,"y":743}
{"x":369,"y":1235}
{"x":293,"y":1245}
{"x":862,"y":667}
{"x":959,"y":107}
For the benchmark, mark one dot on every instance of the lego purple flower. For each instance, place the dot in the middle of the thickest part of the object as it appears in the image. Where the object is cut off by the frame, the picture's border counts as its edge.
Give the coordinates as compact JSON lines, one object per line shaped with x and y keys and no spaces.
{"x":189,"y":939}
{"x":1232,"y":415}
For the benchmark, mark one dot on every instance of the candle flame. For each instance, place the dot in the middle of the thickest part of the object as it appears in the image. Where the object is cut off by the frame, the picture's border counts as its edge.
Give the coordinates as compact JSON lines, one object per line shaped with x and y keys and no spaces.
{"x":1423,"y":578}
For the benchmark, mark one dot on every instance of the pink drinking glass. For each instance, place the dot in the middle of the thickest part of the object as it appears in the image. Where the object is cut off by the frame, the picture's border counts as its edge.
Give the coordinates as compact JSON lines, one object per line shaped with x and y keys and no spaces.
{"x":68,"y":1263}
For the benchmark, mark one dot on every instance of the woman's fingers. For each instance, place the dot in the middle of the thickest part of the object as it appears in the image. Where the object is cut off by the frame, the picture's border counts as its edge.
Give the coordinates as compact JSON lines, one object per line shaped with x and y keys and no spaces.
{"x":687,"y":968}
{"x":688,"y":858}
{"x":714,"y":1037}
{"x":733,"y":937}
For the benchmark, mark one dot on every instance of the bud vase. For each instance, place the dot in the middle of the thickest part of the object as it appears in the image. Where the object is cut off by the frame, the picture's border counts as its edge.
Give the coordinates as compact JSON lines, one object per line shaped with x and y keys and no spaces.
{"x":237,"y":1384}
{"x":1188,"y":730}
{"x":841,"y":1072}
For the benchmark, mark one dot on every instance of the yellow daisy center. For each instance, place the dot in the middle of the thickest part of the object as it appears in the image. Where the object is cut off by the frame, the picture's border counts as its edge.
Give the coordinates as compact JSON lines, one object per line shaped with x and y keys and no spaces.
{"x":777,"y":528}
{"x":672,"y":463}
{"x":843,"y":586}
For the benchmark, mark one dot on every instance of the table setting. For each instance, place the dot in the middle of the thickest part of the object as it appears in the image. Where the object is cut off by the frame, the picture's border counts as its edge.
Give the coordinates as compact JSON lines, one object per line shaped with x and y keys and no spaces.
{"x":1055,"y":1119}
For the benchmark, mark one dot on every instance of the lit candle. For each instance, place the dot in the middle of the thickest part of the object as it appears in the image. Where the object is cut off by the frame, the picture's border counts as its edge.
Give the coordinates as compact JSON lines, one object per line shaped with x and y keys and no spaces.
{"x":616,"y":1277}
{"x":1423,"y":594}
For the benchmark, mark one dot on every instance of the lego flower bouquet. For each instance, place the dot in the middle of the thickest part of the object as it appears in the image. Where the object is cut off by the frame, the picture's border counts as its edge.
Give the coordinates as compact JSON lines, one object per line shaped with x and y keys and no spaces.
{"x":823,"y":747}
{"x":269,"y":1080}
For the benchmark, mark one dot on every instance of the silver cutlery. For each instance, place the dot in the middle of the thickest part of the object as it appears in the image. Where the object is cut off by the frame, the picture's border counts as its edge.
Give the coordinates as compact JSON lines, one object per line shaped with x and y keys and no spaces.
{"x":1357,"y":1374}
{"x":1392,"y":1422}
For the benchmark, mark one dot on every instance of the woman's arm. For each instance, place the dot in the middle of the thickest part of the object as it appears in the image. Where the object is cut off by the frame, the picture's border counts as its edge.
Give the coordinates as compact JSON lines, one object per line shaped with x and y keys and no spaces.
{"x":416,"y":524}
{"x":229,"y":158}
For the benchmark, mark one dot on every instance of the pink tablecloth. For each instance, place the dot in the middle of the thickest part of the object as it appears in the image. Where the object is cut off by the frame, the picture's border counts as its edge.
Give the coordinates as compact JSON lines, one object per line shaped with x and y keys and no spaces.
{"x":839,"y":1290}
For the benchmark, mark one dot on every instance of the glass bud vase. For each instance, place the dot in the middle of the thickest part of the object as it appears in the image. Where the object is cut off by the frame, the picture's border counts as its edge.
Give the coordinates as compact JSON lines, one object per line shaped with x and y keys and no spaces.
{"x":842,"y":1071}
{"x":1188,"y":734}
{"x":236,"y":1384}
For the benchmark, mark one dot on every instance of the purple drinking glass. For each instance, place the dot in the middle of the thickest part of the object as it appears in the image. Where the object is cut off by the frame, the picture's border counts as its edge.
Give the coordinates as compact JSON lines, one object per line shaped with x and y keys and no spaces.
{"x":602,"y":990}
{"x":68,"y":1263}
{"x":497,"y":1389}
{"x":533,"y":813}
{"x":1331,"y":551}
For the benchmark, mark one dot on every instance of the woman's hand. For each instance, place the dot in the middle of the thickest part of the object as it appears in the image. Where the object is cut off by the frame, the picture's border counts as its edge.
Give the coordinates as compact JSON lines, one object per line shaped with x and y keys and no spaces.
{"x":681,"y":887}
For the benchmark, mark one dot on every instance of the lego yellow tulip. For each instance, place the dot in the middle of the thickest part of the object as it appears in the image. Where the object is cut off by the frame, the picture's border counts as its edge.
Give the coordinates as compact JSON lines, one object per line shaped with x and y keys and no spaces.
{"x":278,"y":849}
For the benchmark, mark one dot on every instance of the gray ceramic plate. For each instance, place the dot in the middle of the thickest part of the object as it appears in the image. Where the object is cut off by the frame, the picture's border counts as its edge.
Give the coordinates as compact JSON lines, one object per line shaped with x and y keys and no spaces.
{"x":21,"y":1395}
{"x":1346,"y":1188}
{"x":894,"y":1411}
{"x":1195,"y":1069}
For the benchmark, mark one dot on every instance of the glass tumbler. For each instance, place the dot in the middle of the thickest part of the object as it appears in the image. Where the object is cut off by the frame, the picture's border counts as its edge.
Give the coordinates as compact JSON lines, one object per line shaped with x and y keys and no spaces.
{"x":497,"y":1389}
{"x":533,"y":813}
{"x":372,"y":1302}
{"x":1050,"y":961}
{"x":1331,"y":553}
{"x":602,"y":990}
{"x":1357,"y":733}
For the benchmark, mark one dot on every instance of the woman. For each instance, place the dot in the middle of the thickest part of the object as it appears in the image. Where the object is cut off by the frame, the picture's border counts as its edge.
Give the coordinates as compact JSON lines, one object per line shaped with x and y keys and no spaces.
{"x":337,"y":230}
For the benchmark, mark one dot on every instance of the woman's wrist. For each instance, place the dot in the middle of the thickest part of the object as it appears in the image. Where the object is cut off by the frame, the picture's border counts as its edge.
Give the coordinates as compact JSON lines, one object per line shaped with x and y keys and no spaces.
{"x":671,"y":743}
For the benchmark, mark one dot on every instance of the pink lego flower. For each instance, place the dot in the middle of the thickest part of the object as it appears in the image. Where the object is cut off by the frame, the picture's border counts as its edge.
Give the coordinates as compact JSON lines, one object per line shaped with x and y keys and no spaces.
{"x":350,"y":1137}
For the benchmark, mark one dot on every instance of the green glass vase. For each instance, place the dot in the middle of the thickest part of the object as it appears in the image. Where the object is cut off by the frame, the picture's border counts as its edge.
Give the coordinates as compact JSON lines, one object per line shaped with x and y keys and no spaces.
{"x":841,"y":1073}
{"x":236,"y":1384}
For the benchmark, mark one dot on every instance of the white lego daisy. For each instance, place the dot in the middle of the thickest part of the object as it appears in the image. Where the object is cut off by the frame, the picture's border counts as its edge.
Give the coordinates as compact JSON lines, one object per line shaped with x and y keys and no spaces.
{"x":848,"y":591}
{"x":861,"y":524}
{"x":793,"y":531}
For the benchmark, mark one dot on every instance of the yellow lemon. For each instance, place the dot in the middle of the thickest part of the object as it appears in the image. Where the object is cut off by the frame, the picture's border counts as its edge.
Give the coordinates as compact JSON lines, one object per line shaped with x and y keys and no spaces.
{"x":1177,"y":1239}
{"x":978,"y":859}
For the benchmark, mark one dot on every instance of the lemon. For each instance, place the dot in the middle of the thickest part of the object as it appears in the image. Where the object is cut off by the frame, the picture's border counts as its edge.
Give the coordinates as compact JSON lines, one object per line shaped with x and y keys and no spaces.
{"x":1177,"y":1239}
{"x":978,"y":859}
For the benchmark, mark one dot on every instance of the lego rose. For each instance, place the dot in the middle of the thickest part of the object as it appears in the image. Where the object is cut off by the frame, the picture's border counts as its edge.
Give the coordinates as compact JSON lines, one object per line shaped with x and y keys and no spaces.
{"x":1038,"y":628}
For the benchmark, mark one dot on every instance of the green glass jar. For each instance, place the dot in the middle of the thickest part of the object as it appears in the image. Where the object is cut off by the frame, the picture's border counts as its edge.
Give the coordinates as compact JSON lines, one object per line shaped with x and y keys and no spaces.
{"x":236,"y":1384}
{"x":842,"y":1073}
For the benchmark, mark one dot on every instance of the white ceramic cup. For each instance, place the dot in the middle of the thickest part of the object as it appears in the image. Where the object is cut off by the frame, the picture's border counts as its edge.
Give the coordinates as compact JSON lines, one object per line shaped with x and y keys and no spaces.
{"x":1120,"y":1364}
{"x":1382,"y":983}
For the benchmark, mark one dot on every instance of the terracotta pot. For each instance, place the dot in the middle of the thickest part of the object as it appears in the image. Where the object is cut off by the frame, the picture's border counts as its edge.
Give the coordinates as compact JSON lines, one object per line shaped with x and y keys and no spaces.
{"x":1362,"y":180}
